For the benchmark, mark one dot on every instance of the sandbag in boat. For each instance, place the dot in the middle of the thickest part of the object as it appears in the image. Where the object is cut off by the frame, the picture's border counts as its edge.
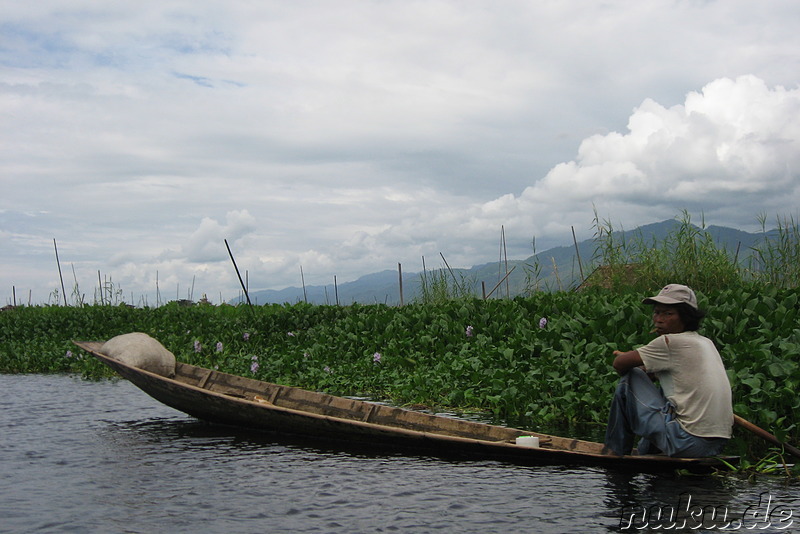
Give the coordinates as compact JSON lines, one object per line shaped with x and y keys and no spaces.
{"x":139,"y":350}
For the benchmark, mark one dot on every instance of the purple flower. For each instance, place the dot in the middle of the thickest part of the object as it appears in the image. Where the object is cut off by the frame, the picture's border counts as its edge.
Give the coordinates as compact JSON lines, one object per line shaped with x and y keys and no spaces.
{"x":328,"y":370}
{"x":469,"y":331}
{"x":290,"y":334}
{"x":542,"y":322}
{"x":219,"y":346}
{"x":197,"y":346}
{"x":254,"y":366}
{"x":376,"y":357}
{"x":246,"y":336}
{"x":69,"y":354}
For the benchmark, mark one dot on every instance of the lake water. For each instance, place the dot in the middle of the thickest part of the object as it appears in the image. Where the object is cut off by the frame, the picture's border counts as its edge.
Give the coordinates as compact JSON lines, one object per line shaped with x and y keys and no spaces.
{"x":101,"y":456}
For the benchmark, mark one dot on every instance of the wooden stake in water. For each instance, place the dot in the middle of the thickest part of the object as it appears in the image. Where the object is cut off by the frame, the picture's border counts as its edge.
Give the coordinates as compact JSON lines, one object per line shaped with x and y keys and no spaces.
{"x":63,"y":291}
{"x":455,"y":280}
{"x":100,"y":287}
{"x":578,"y":253}
{"x":303,"y":281}
{"x":424,"y":282}
{"x":498,"y":283}
{"x":505,"y":259}
{"x":247,"y":296}
{"x":400,"y":275}
{"x":336,"y":289}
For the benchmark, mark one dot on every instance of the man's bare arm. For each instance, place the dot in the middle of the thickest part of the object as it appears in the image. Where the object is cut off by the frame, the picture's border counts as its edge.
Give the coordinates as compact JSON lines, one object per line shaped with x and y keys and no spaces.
{"x":625,"y":361}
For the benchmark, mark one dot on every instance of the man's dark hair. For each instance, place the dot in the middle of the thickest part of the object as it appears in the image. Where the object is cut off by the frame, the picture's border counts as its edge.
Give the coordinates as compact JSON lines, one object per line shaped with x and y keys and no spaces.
{"x":690,"y":317}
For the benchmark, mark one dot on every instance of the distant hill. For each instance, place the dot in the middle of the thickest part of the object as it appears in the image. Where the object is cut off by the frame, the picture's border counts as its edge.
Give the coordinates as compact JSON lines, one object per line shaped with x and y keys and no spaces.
{"x":558,"y":269}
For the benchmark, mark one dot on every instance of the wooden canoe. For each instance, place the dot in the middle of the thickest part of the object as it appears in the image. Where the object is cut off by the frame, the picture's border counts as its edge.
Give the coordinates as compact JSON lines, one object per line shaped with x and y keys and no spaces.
{"x":245,"y":402}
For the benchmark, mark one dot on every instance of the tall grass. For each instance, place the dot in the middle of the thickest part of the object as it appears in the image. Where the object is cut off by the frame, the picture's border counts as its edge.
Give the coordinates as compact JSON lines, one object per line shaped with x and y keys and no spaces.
{"x":625,"y":261}
{"x":690,"y":255}
{"x":443,"y":285}
{"x":776,"y":261}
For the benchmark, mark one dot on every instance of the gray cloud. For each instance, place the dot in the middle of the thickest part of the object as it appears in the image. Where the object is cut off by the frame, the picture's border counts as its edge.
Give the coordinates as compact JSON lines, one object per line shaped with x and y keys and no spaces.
{"x":346,"y":137}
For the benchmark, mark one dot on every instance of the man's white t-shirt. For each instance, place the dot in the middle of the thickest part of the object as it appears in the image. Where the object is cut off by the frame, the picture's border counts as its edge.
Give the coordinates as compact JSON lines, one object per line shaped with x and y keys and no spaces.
{"x":694,"y":380}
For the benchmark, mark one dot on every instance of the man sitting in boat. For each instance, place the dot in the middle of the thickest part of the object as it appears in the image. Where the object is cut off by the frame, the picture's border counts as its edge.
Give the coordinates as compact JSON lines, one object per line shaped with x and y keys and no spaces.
{"x":691,"y":414}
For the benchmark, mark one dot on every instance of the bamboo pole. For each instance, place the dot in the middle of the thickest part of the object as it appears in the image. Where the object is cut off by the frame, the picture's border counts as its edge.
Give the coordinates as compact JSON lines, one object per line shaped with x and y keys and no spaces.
{"x":449,"y":269}
{"x":578,"y":252}
{"x":505,"y":259}
{"x":303,"y":281}
{"x":400,"y":276}
{"x":424,"y":282}
{"x":336,"y":289}
{"x":100,"y":287}
{"x":500,"y":282}
{"x":247,"y":296}
{"x":64,"y":291}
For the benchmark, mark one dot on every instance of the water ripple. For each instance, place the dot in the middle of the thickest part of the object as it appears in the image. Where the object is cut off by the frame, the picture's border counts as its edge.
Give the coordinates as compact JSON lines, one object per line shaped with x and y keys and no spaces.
{"x":103,"y":457}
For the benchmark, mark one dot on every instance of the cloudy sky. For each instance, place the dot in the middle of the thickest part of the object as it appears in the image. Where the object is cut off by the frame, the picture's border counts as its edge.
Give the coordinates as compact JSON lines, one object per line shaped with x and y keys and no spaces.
{"x":349,"y":136}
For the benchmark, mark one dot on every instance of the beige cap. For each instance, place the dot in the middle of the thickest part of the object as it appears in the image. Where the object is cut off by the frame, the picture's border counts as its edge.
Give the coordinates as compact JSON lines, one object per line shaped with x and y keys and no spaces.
{"x":674,"y":294}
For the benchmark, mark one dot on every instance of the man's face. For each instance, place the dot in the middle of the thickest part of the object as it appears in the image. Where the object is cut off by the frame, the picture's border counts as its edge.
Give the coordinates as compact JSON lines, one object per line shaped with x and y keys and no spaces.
{"x":667,"y":320}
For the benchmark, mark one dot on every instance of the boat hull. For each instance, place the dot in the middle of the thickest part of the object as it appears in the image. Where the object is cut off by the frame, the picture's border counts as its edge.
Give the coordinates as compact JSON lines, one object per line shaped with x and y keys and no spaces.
{"x":243,"y":402}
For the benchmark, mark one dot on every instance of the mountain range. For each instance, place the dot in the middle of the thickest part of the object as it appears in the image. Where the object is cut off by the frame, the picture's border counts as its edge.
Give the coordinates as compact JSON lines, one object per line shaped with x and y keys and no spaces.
{"x":558,"y":268}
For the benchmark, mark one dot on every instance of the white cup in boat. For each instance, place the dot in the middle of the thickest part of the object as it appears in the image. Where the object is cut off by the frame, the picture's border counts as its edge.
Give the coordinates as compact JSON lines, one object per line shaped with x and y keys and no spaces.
{"x":528,"y":441}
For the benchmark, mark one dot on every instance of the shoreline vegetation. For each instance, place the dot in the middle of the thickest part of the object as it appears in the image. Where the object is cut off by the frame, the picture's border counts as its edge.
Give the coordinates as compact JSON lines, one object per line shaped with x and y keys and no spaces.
{"x":541,"y":360}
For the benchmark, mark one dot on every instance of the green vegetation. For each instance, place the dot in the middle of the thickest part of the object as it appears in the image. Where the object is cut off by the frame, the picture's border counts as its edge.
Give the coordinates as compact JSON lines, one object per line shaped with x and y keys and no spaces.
{"x":540,"y":361}
{"x":495,"y":355}
{"x":690,"y":255}
{"x":774,"y":462}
